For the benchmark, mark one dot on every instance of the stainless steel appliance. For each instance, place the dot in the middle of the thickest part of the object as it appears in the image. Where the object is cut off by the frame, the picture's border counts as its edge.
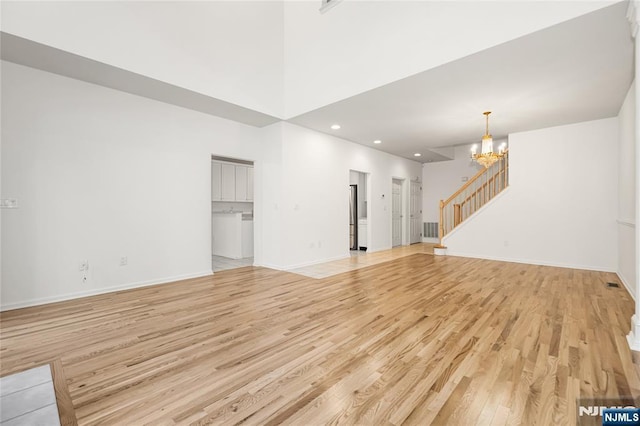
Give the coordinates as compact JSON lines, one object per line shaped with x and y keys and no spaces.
{"x":353,"y":217}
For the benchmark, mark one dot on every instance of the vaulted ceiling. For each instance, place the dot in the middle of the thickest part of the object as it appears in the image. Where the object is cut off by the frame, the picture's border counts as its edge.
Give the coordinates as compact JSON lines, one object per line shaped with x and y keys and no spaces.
{"x":416,"y":75}
{"x":578,"y":70}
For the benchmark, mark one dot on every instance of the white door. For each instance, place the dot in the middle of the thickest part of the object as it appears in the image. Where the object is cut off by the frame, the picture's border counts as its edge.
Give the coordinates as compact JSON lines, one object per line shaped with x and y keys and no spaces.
{"x":396,"y":213}
{"x":415,"y":212}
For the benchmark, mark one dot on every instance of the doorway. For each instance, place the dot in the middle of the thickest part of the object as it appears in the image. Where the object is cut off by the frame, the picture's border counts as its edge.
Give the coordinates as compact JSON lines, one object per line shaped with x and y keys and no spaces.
{"x":358,"y":211}
{"x":415,"y":213}
{"x":353,"y":217}
{"x":396,"y":212}
{"x":232,"y":189}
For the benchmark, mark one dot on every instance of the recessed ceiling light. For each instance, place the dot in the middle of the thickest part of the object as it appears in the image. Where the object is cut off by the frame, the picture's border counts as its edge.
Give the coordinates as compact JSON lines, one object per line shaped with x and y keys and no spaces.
{"x":377,"y":141}
{"x":335,"y":126}
{"x":417,"y":154}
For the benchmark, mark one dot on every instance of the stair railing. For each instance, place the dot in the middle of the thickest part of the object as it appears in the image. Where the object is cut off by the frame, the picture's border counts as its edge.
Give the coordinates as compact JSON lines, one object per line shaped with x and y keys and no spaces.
{"x":474,"y":194}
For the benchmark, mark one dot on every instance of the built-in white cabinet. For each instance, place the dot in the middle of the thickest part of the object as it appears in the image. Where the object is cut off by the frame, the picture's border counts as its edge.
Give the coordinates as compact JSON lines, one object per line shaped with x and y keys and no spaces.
{"x":241,"y":183}
{"x":232,"y":236}
{"x":226,"y":235}
{"x":247,"y":238}
{"x":216,"y":187}
{"x":230,"y":182}
{"x":249,"y":183}
{"x":362,"y":233}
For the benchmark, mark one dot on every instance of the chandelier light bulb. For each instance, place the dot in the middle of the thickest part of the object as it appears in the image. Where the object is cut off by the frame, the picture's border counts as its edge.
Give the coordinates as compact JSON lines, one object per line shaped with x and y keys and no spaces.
{"x":487,"y":156}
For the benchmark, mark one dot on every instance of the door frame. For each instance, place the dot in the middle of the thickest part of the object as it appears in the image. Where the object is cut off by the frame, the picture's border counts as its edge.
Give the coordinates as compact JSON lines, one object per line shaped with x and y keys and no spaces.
{"x":367,"y":197}
{"x":257,"y":203}
{"x":419,"y":209}
{"x":353,"y":191}
{"x":403,"y":211}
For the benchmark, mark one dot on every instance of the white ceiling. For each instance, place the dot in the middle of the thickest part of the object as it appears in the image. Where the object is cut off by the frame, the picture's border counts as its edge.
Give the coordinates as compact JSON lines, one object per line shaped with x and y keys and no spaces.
{"x":228,"y":50}
{"x":575,"y":71}
{"x":361,"y":45}
{"x":35,"y":55}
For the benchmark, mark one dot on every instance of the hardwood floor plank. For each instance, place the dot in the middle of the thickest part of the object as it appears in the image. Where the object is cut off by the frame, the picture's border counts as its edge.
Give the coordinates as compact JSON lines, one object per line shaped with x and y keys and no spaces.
{"x":66,"y":411}
{"x":418,"y":339}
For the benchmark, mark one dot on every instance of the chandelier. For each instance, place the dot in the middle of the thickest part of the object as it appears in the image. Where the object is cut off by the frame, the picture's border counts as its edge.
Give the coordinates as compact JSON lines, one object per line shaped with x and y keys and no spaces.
{"x":487,"y":157}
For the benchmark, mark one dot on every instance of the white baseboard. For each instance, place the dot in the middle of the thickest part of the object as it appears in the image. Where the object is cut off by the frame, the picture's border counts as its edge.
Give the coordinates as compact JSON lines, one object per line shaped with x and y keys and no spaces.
{"x":269,"y":266}
{"x":316,"y":262}
{"x":626,"y":284}
{"x":430,"y":240}
{"x":532,"y":262}
{"x":440,"y":251}
{"x":377,"y":249}
{"x":302,"y":265}
{"x":633,"y":338}
{"x":102,"y":290}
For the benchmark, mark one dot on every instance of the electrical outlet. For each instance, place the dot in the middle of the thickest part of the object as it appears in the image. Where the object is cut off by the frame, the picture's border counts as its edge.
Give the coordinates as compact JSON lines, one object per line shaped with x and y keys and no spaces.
{"x":83,"y":266}
{"x":9,"y":203}
{"x":124,"y":261}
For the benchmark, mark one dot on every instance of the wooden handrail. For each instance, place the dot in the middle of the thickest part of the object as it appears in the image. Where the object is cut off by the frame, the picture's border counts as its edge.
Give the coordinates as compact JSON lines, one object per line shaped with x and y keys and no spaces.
{"x":484,"y":185}
{"x":490,"y":181}
{"x":469,"y":182}
{"x":465,"y":186}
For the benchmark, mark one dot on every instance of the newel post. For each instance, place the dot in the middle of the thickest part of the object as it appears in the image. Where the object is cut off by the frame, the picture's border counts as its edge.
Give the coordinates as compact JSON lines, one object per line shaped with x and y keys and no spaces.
{"x":441,"y":224}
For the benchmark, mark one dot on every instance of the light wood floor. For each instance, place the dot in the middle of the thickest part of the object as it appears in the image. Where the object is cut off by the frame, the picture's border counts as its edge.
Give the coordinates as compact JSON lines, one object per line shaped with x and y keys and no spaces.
{"x":361,"y":259}
{"x":418,"y":340}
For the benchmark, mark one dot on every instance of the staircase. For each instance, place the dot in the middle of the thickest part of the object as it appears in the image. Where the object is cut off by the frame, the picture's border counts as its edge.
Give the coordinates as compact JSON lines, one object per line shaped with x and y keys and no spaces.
{"x":474,"y":194}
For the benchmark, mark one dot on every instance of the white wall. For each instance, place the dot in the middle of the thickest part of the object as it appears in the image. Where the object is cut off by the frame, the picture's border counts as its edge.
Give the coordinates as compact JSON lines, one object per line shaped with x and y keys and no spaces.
{"x":229,"y":50}
{"x":101,"y":174}
{"x":268,"y":221}
{"x":441,"y":179}
{"x":627,"y":193}
{"x":560,"y":209}
{"x":316,"y":194}
{"x":354,"y":177}
{"x":361,"y":45}
{"x":360,"y":180}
